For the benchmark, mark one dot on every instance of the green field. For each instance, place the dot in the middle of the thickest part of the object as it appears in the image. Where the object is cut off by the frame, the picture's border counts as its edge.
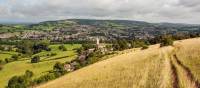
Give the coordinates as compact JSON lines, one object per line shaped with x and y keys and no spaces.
{"x":6,"y":54}
{"x":46,"y":64}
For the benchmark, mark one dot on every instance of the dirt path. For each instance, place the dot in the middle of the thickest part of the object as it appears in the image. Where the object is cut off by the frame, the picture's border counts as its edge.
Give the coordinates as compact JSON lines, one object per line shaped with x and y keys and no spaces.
{"x":175,"y":74}
{"x":175,"y":79}
{"x":186,"y":77}
{"x":170,"y":77}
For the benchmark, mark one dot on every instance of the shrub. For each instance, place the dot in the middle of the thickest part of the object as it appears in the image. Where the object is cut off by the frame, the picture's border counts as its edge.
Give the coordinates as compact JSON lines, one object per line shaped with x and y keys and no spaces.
{"x":16,"y":82}
{"x":35,"y":59}
{"x":167,"y":41}
{"x":53,"y":54}
{"x":28,"y":73}
{"x":45,"y":78}
{"x":59,"y":67}
{"x":62,"y":47}
{"x":20,"y":81}
{"x":7,"y":60}
{"x":15,"y":57}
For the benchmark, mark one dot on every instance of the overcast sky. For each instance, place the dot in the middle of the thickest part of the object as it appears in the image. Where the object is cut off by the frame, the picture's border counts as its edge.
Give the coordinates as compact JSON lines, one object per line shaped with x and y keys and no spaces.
{"x":176,"y":11}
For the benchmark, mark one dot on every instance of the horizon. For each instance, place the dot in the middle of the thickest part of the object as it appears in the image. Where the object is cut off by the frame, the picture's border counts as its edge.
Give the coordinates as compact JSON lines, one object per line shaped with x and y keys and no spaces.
{"x":29,"y":22}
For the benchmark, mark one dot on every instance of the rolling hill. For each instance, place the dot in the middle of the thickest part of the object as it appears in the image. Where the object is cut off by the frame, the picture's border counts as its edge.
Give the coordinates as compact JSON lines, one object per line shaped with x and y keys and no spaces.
{"x":176,"y":66}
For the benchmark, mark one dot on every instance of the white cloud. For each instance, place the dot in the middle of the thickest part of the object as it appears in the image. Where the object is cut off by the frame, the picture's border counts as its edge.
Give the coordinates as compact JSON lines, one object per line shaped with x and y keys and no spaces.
{"x":148,"y":10}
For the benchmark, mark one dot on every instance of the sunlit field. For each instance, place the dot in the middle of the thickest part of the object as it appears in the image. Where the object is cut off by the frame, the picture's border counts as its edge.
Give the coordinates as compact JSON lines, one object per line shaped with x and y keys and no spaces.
{"x":176,"y":66}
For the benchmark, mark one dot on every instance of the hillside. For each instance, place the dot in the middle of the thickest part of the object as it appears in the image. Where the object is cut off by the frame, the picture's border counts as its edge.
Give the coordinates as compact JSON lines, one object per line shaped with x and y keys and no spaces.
{"x":167,"y":67}
{"x":46,"y":63}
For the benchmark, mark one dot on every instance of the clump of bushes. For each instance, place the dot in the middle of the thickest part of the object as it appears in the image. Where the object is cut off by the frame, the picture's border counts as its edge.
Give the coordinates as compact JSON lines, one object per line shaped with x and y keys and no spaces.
{"x":35,"y":59}
{"x":53,"y":54}
{"x":14,"y":57}
{"x":44,"y":78}
{"x":166,"y":41}
{"x":58,"y":70}
{"x":62,"y":47}
{"x":20,"y":81}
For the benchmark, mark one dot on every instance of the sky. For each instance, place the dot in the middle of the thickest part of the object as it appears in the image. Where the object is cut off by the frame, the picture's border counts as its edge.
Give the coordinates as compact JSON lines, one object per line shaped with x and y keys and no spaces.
{"x":176,"y":11}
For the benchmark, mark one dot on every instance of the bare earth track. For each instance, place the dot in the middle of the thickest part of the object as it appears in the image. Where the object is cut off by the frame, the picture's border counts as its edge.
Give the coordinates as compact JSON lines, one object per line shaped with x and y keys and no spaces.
{"x":192,"y":83}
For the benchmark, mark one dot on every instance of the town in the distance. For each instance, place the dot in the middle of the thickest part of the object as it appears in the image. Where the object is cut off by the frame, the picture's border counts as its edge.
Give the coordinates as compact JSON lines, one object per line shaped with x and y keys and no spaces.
{"x":33,"y":54}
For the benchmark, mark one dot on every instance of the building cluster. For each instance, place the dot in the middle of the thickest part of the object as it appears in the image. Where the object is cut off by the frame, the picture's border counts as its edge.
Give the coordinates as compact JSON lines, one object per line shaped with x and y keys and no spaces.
{"x":89,"y":33}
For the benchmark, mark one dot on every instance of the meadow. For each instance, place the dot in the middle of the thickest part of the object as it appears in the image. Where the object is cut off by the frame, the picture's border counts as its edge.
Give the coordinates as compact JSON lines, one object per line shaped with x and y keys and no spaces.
{"x":19,"y":67}
{"x":174,"y":66}
{"x":6,"y":54}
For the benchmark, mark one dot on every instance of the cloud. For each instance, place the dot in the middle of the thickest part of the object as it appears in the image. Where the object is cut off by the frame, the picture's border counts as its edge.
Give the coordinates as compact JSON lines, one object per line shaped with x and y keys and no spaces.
{"x":187,"y":11}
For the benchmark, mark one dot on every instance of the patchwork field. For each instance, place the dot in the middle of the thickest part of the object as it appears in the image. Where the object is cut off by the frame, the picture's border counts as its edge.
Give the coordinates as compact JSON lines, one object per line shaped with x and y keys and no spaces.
{"x":176,"y":66}
{"x":46,"y":64}
{"x":6,"y":54}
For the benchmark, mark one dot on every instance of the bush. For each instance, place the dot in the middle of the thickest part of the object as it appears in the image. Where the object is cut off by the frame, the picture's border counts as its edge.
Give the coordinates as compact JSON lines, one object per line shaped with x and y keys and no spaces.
{"x":28,"y":73}
{"x":59,"y":67}
{"x":53,"y":54}
{"x":15,"y":57}
{"x":20,"y":81}
{"x":35,"y":59}
{"x":167,"y":41}
{"x":62,"y":47}
{"x":45,"y":78}
{"x":7,"y":60}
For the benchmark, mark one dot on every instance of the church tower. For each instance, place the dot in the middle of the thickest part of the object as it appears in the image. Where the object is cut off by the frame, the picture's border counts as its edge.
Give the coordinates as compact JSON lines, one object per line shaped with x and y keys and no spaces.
{"x":97,"y":42}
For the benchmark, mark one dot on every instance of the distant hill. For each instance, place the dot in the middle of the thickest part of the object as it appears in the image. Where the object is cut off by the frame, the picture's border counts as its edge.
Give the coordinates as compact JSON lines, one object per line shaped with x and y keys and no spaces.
{"x":168,"y":67}
{"x":113,"y":24}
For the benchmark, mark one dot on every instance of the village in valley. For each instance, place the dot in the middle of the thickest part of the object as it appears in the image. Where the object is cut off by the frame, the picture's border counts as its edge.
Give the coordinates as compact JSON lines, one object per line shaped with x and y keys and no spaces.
{"x":48,"y":50}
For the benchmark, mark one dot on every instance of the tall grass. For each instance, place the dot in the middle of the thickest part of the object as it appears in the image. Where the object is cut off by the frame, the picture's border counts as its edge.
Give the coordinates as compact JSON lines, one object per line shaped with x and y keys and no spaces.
{"x":136,"y":69}
{"x":188,"y":54}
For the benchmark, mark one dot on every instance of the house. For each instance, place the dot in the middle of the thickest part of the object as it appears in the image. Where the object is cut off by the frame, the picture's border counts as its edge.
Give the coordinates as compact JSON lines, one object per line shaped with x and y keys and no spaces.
{"x":68,"y":67}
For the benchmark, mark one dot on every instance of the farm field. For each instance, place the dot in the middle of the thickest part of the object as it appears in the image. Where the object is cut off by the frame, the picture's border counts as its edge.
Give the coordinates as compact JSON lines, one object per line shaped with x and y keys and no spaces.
{"x":174,"y":66}
{"x":19,"y":67}
{"x":6,"y":54}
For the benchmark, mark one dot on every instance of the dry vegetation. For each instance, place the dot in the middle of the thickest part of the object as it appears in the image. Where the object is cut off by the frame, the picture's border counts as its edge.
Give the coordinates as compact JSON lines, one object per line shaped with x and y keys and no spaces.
{"x":175,"y":66}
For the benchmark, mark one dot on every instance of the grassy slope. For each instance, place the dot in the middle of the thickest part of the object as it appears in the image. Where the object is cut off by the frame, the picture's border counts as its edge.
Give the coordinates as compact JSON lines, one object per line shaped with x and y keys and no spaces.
{"x":188,"y":54}
{"x":5,"y":54}
{"x":151,"y":68}
{"x":130,"y":70}
{"x":19,"y":67}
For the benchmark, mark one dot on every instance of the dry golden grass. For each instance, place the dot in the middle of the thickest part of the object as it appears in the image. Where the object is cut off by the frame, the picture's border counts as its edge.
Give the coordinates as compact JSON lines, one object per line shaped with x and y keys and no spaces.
{"x":188,"y":56}
{"x":152,"y":68}
{"x":134,"y":69}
